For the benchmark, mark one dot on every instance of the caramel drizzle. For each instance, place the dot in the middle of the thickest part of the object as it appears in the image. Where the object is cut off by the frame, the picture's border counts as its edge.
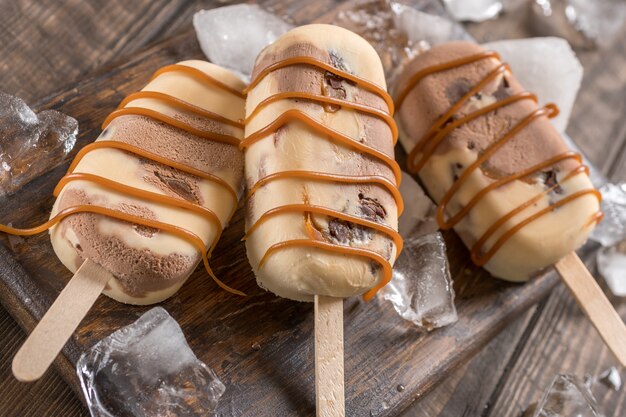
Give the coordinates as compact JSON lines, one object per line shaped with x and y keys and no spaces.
{"x":123,"y":146}
{"x":200,"y":76}
{"x":307,"y":60}
{"x":306,"y":208}
{"x":446,"y":123}
{"x":153,"y":114}
{"x":115,"y":186}
{"x":175,"y":101}
{"x":372,"y":111}
{"x":323,"y":176}
{"x":309,"y":208}
{"x":294,"y":114}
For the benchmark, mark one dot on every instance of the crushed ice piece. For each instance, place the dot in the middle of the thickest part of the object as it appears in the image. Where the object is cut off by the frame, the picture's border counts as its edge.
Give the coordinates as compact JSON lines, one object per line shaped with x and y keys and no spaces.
{"x":586,"y":24}
{"x":418,"y":217}
{"x":611,"y":378}
{"x":547,"y":67}
{"x":30,"y":143}
{"x":473,"y":10}
{"x":599,"y":20}
{"x":567,"y":396}
{"x":421,"y":288}
{"x":426,"y":27}
{"x":612,"y":266}
{"x":147,"y":369}
{"x":397,"y":32}
{"x":233,"y":36}
{"x":612,"y":229}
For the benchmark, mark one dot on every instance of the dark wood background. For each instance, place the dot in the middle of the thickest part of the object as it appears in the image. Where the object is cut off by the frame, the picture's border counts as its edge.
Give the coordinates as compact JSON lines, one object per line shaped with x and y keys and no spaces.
{"x":46,"y":46}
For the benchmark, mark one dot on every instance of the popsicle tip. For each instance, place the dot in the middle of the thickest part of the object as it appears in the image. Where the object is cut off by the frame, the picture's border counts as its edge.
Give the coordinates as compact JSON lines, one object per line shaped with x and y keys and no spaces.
{"x":23,"y":370}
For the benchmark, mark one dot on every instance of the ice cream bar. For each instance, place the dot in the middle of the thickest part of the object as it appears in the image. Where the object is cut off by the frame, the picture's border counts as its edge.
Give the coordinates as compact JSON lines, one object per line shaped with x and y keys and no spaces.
{"x":149,"y":198}
{"x":323,"y":202}
{"x":489,"y":156}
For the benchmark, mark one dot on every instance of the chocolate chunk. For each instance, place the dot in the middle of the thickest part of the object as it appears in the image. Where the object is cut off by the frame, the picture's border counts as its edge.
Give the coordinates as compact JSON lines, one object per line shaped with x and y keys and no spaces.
{"x":333,"y":87}
{"x":504,"y":90}
{"x":456,"y":90}
{"x":334,"y":81}
{"x":471,"y":145}
{"x":371,"y":208}
{"x":549,"y":178}
{"x":345,"y":232}
{"x":339,"y":230}
{"x":178,"y":186}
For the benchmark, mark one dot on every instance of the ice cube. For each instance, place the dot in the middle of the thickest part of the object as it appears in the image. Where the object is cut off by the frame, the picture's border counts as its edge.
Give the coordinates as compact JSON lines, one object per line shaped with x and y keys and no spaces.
{"x":567,"y":396}
{"x":474,"y":10}
{"x":598,"y":20}
{"x":546,"y":66}
{"x":31,"y":144}
{"x":147,"y":369}
{"x":233,"y":36}
{"x":426,"y":27}
{"x":612,"y":229}
{"x":418,"y":217}
{"x":421,"y":288}
{"x":398,"y":32}
{"x":612,"y":266}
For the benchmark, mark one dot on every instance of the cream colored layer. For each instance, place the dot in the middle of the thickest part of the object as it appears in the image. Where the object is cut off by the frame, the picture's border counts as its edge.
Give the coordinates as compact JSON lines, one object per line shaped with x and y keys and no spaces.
{"x":127,"y":169}
{"x":300,"y":273}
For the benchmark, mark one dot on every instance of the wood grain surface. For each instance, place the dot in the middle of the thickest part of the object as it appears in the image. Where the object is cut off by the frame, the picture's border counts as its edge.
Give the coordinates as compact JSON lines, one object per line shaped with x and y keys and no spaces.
{"x":502,"y":380}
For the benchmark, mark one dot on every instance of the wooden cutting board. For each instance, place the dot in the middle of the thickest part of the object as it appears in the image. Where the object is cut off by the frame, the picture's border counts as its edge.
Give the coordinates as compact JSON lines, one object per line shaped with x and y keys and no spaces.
{"x":260,"y":346}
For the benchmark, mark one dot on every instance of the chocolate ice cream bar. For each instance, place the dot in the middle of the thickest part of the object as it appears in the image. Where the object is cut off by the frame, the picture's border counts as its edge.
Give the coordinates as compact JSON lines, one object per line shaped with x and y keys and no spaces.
{"x":490,"y":157}
{"x":150,"y":197}
{"x":322,"y":182}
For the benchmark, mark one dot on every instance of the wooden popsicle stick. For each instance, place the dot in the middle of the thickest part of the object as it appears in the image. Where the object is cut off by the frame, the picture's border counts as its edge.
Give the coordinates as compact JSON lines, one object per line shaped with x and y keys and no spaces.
{"x":329,"y":379}
{"x":60,"y":321}
{"x":594,"y":303}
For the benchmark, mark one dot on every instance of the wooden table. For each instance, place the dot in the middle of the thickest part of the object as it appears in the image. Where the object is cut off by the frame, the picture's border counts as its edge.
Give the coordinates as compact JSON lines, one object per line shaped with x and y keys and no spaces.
{"x":47,"y":45}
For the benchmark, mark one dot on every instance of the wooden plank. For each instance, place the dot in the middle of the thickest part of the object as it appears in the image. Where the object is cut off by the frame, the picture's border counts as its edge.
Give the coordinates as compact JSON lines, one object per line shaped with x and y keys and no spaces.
{"x":467,"y":391}
{"x":381,"y":350}
{"x":21,"y":400}
{"x":563,"y":342}
{"x":48,"y":44}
